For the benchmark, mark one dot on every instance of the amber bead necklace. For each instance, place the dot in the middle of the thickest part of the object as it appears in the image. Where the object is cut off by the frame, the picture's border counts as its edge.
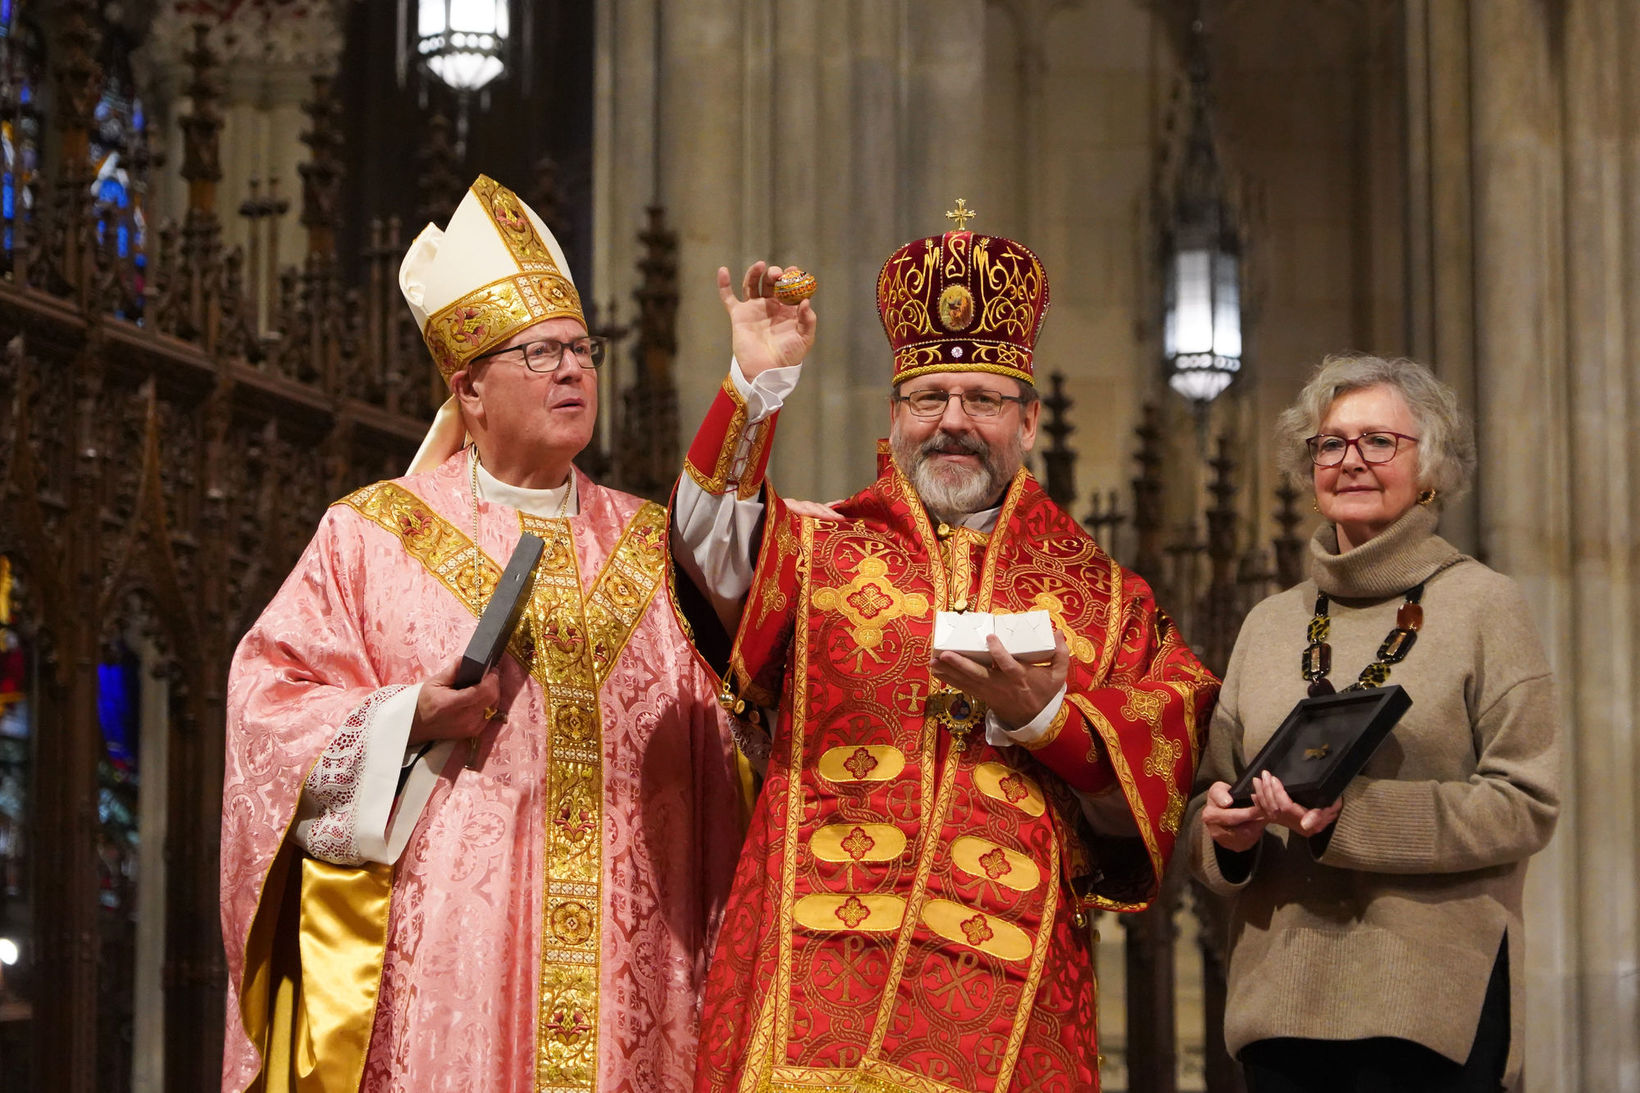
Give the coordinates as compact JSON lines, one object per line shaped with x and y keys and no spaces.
{"x":1409,"y":619}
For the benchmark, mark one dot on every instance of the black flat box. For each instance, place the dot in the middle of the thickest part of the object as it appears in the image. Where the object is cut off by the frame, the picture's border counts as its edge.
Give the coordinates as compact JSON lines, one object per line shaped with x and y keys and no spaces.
{"x":1325,"y":742}
{"x":500,"y":618}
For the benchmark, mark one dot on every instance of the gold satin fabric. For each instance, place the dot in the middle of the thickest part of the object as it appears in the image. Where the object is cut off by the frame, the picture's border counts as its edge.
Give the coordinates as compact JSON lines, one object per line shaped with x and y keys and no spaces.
{"x":311,"y":1005}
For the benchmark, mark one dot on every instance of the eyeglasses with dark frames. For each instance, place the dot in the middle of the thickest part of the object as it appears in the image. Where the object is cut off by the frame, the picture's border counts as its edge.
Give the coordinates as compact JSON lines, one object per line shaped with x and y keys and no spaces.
{"x":547,"y":354}
{"x":1329,"y":450}
{"x":980,"y":404}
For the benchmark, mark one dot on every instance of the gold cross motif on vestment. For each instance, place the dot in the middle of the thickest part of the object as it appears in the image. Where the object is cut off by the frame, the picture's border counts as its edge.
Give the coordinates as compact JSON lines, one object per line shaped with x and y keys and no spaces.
{"x":961,"y":214}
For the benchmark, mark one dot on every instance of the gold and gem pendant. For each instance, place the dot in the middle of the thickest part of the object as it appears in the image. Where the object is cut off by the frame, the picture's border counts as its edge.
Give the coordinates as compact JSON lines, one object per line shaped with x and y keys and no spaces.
{"x":957,"y":713}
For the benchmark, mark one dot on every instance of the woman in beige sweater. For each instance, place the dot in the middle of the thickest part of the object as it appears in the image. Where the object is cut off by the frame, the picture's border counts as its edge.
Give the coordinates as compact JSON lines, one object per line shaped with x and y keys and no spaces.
{"x":1375,"y":944}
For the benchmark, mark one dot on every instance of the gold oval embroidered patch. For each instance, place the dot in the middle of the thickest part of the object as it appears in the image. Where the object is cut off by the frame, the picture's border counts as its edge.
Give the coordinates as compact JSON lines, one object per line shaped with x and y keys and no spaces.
{"x":956,"y":308}
{"x":976,"y":929}
{"x":1006,"y":784}
{"x":857,"y":842}
{"x":868,"y":914}
{"x":981,"y":858}
{"x":862,"y":763}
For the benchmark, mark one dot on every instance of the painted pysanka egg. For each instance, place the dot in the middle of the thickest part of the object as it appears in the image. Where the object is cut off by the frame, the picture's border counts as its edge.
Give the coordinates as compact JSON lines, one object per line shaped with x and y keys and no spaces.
{"x":956,"y":308}
{"x":795,"y":286}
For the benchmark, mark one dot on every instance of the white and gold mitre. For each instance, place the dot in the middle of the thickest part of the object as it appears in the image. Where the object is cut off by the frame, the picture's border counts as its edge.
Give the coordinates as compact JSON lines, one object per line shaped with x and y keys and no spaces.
{"x":493,"y":271}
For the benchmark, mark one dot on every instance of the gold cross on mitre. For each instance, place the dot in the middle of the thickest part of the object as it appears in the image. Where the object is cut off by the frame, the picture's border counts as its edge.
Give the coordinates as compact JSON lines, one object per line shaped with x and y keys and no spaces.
{"x":961,"y":214}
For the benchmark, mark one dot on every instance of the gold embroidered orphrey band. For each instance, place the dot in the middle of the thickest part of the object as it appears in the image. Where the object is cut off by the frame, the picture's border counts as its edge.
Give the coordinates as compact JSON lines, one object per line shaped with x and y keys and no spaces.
{"x":569,"y":644}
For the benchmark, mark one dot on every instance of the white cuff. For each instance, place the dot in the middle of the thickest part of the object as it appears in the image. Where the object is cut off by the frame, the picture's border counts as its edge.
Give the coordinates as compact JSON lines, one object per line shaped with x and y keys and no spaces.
{"x":998,"y":735}
{"x":768,"y":392}
{"x":384,"y":817}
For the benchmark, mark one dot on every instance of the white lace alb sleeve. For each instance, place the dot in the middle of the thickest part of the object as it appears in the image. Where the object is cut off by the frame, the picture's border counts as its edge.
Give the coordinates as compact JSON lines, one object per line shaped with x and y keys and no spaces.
{"x":352,"y":810}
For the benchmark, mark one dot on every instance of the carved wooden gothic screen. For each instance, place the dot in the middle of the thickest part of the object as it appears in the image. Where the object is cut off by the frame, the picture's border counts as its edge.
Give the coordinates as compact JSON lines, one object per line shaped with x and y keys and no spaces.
{"x":174,"y":417}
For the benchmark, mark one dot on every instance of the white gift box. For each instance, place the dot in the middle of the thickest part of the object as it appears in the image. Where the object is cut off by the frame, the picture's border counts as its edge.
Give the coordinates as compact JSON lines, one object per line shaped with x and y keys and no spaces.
{"x":1027,"y":636}
{"x":963,"y":632}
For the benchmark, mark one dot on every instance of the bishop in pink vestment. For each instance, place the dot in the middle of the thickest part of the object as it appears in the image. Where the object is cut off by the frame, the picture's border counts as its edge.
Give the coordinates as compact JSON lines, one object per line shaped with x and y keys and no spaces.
{"x":523,"y":902}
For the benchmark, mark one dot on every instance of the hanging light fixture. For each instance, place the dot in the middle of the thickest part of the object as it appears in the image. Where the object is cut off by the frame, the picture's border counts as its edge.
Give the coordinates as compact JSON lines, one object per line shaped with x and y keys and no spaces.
{"x":1201,"y":259}
{"x":462,"y":42}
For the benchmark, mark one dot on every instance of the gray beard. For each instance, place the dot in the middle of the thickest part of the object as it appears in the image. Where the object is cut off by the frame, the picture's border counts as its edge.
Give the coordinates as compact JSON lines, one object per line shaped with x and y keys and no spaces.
{"x":952,"y":492}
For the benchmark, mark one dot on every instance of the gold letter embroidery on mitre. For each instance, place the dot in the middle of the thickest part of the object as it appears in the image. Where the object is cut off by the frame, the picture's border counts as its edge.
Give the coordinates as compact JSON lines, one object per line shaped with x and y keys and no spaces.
{"x":900,"y":289}
{"x":1012,"y":279}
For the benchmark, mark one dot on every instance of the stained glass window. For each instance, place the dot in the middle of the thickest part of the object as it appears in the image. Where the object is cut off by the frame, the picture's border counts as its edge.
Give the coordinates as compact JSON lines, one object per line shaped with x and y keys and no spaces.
{"x":22,"y":67}
{"x":119,"y":712}
{"x":116,"y":129}
{"x":16,"y":756}
{"x":118,"y":134}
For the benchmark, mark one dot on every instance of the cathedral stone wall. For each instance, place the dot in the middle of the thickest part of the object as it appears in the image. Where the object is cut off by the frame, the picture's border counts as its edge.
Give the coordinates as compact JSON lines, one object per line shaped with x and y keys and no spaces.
{"x":1452,"y":179}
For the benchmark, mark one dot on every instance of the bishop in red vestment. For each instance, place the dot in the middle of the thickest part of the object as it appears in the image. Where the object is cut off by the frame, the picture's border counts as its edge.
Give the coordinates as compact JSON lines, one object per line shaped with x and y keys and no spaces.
{"x":910,"y":909}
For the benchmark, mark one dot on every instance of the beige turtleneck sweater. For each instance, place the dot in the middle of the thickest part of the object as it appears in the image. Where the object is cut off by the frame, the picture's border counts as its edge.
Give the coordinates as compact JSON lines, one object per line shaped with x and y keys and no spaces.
{"x":1389,"y":923}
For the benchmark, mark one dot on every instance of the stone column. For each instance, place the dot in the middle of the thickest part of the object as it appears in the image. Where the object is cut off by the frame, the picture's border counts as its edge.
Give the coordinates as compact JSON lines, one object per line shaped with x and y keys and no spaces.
{"x":1600,"y":830}
{"x":702,"y":178}
{"x":148,"y":1031}
{"x":820,"y":134}
{"x":1441,"y":261}
{"x":1553,"y":149}
{"x":623,"y":166}
{"x":812,"y":93}
{"x":1524,"y":487}
{"x":268,"y":57}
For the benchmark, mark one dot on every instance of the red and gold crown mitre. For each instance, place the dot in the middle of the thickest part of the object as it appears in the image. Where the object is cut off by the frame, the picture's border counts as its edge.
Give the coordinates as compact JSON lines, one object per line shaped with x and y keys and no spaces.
{"x":494,"y":270}
{"x":962,"y":302}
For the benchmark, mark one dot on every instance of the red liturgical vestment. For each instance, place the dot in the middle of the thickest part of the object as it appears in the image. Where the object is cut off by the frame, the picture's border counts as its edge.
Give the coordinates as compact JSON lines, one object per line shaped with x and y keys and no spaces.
{"x":908,"y":913}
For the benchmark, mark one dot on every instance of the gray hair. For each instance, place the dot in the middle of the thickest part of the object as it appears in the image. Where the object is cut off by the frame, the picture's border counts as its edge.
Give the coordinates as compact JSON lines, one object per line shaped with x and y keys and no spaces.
{"x":1446,"y":443}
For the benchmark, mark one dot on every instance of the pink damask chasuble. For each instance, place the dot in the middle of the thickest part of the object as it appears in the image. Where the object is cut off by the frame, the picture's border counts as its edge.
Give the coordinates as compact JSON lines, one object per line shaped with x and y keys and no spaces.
{"x":626,"y":809}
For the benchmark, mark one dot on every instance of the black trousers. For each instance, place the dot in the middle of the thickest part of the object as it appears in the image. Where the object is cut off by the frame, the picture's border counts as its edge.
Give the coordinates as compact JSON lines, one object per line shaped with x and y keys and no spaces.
{"x":1387,"y":1064}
